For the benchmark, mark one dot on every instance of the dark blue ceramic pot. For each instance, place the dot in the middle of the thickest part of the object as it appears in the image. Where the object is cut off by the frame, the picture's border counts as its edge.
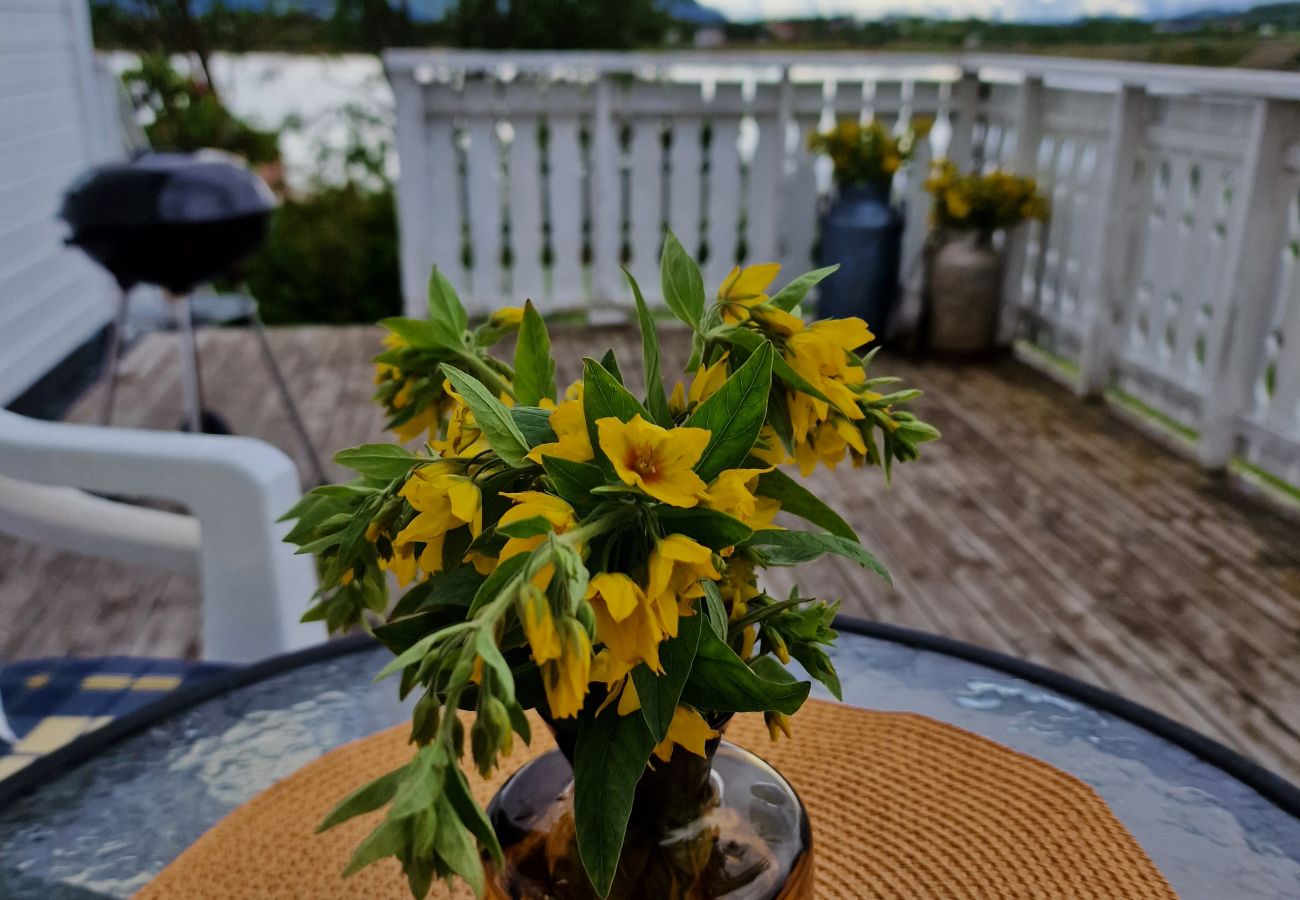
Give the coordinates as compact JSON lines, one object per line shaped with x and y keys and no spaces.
{"x":862,"y":231}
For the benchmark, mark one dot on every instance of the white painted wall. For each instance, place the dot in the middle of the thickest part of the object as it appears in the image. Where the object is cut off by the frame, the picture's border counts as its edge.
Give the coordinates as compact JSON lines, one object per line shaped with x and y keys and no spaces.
{"x":53,"y":125}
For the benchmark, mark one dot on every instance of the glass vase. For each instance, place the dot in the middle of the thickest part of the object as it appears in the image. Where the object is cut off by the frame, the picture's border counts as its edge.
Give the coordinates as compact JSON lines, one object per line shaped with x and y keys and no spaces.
{"x":722,"y":826}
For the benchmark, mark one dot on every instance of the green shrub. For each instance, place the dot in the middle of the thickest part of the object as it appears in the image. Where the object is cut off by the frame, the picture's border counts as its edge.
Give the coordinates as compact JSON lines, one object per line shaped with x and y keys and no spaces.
{"x":188,"y":116}
{"x":329,"y":256}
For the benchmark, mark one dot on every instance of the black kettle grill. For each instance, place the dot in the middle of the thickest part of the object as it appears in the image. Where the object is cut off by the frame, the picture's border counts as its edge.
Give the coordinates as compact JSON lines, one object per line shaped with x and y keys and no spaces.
{"x":176,"y":220}
{"x":172,"y":219}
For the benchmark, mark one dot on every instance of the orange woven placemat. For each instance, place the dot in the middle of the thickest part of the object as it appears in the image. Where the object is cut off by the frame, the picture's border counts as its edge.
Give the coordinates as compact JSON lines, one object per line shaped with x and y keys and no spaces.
{"x":902,"y":806}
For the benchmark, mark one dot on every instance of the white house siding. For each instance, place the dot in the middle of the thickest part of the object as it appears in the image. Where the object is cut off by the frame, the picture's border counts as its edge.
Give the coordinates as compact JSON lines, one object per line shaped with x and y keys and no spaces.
{"x":53,"y":125}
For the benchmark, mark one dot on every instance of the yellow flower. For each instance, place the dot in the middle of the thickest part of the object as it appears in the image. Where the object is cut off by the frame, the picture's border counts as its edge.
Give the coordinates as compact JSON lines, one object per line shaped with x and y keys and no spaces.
{"x":625,"y":623}
{"x":506,"y":317}
{"x":777,"y":724}
{"x":732,"y":492}
{"x":776,"y":320}
{"x":536,"y":504}
{"x":748,"y":283}
{"x":745,"y":288}
{"x":464,"y":438}
{"x":687,"y":730}
{"x":769,"y":448}
{"x":402,"y":564}
{"x":957,"y":205}
{"x":673,"y":573}
{"x":827,"y":445}
{"x":444,"y":501}
{"x":657,"y":460}
{"x":707,"y":381}
{"x":539,"y":625}
{"x":677,"y":402}
{"x":738,"y":586}
{"x":425,"y":420}
{"x":820,"y":355}
{"x":572,"y":440}
{"x":565,"y":679}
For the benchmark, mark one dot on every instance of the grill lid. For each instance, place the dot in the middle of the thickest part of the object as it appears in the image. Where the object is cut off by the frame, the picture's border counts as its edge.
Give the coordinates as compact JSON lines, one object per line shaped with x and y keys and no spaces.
{"x":171,"y":219}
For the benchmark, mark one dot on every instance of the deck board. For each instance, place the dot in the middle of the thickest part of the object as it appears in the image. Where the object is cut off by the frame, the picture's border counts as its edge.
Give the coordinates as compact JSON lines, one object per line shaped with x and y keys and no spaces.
{"x":1040,"y":526}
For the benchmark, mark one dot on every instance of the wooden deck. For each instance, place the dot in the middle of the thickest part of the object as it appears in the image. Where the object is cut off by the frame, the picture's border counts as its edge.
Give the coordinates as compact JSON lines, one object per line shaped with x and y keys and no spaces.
{"x":1040,"y":526}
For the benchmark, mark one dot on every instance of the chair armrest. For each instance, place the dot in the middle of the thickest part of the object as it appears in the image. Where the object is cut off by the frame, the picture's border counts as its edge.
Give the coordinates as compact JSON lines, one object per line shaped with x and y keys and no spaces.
{"x":254,"y":586}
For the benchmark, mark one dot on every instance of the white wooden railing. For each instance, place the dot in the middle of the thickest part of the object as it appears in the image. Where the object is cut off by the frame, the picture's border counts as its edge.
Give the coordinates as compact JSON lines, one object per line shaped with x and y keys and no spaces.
{"x":1168,"y":269}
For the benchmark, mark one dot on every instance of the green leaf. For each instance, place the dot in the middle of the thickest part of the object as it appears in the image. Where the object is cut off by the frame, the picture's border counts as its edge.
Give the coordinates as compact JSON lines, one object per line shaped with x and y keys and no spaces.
{"x":793,"y":293}
{"x":659,"y":693}
{"x":715,"y":608}
{"x":534,"y":367}
{"x":709,"y":527}
{"x":501,"y":575}
{"x":423,"y":334}
{"x":682,"y":284}
{"x":609,"y":362}
{"x":610,"y":756}
{"x":720,"y":680}
{"x":470,"y":813}
{"x":748,"y":339}
{"x":526,"y":528}
{"x":817,"y":664}
{"x":389,"y":839}
{"x":364,"y":799}
{"x":734,"y":415}
{"x":445,"y":305}
{"x":534,"y":423}
{"x":574,"y":481}
{"x":602,"y":397}
{"x":791,"y":548}
{"x":492,"y":416}
{"x":409,"y":656}
{"x":799,"y":501}
{"x":453,"y":844}
{"x":386,"y":461}
{"x":656,"y":400}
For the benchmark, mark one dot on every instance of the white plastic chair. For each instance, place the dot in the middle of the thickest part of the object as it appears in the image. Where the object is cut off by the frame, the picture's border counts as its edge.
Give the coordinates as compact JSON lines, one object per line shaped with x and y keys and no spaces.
{"x":254,"y":587}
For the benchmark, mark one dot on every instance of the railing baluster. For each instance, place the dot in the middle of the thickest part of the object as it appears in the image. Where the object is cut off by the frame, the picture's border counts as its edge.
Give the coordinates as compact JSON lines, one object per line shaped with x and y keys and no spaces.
{"x":606,"y":280}
{"x":1250,"y":264}
{"x":564,"y":197}
{"x":723,"y":210}
{"x":1109,"y":240}
{"x":1028,"y":130}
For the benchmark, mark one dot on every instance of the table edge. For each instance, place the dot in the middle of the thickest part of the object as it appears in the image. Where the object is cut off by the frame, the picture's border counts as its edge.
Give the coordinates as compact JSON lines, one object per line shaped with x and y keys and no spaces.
{"x":1269,"y":785}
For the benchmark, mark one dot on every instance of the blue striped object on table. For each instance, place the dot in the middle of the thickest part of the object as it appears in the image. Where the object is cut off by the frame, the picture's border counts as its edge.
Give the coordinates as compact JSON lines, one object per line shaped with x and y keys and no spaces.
{"x":49,"y":702}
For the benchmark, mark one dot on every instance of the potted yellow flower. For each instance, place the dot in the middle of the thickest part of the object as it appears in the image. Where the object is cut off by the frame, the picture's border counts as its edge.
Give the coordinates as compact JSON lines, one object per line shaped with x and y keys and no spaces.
{"x":589,"y":560}
{"x":964,"y":270}
{"x":862,"y":230}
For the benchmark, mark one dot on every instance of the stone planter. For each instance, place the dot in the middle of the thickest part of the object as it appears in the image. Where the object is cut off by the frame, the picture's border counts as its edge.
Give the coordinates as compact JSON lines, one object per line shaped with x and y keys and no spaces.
{"x":963,"y":294}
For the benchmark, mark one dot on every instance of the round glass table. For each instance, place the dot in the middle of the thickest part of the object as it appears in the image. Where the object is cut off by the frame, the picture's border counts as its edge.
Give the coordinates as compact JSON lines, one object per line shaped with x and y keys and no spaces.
{"x":102,"y":816}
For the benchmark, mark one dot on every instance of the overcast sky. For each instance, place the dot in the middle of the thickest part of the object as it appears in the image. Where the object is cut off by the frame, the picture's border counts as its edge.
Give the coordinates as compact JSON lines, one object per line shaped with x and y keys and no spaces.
{"x":1025,"y":10}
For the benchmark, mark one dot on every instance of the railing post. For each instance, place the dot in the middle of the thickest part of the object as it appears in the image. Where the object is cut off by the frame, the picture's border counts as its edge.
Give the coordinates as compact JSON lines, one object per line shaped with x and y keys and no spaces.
{"x":1029,"y":132}
{"x":963,"y":104}
{"x":605,"y":195}
{"x":1109,"y":243}
{"x":414,"y":209}
{"x":1234,"y":350}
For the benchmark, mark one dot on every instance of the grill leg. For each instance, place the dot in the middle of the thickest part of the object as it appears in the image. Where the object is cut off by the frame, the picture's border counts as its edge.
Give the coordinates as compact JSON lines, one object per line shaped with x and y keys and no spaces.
{"x":318,"y":471}
{"x":189,"y":351}
{"x":114,"y":356}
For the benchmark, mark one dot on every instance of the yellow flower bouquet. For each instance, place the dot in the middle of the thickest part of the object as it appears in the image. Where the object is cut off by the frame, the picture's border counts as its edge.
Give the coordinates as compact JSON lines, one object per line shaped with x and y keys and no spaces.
{"x":592,"y":556}
{"x":985,"y":202}
{"x":867,"y":154}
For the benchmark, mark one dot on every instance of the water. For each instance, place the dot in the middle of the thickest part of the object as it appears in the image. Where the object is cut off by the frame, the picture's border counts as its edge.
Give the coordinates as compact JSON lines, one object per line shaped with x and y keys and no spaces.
{"x":323,"y":102}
